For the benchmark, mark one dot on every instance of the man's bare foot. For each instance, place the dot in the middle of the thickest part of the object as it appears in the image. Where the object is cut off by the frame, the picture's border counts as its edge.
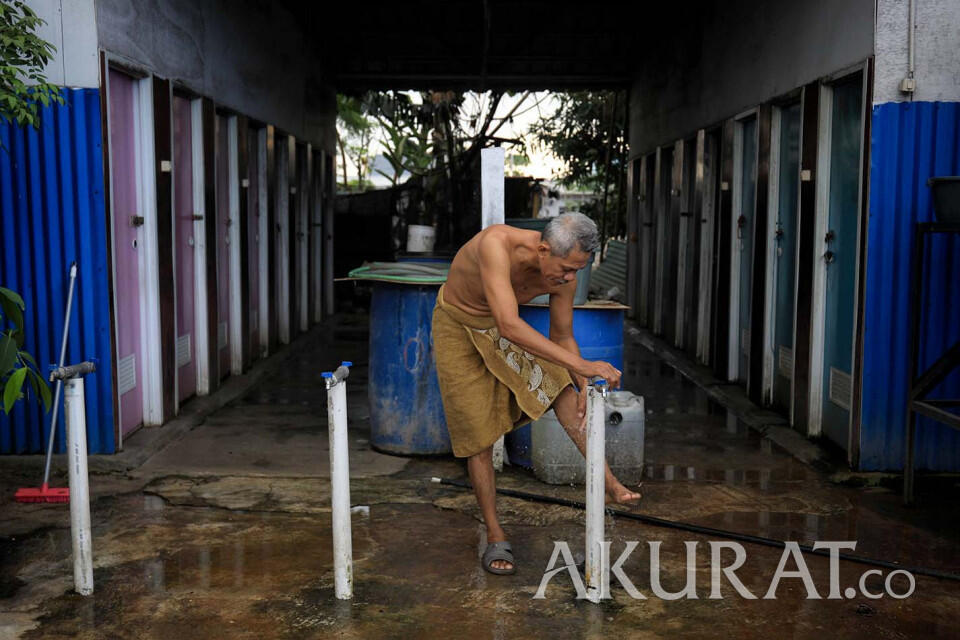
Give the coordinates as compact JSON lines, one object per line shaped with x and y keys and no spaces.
{"x":619,"y":494}
{"x":498,"y":536}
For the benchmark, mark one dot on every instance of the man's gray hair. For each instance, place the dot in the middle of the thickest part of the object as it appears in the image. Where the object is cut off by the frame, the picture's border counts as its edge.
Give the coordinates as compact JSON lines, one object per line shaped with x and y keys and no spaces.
{"x":570,"y":231}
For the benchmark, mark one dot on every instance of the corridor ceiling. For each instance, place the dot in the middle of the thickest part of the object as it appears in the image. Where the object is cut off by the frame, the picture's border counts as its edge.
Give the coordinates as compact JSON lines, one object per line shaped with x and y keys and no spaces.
{"x":484,"y":44}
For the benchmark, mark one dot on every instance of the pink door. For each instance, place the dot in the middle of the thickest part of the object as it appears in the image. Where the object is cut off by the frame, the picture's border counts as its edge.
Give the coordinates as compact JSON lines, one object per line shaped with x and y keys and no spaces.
{"x":127,"y":244}
{"x":184,"y":247}
{"x":223,"y":245}
{"x":253,"y":242}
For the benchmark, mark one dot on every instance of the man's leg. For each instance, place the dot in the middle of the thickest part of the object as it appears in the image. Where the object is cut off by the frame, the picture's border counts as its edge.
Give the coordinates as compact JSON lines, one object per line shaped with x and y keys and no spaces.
{"x":565,"y":406}
{"x":480,"y":467}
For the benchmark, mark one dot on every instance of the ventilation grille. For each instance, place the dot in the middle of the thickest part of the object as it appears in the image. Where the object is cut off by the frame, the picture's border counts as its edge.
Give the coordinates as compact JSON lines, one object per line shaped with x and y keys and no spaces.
{"x":222,"y":335}
{"x":841,"y":388}
{"x":127,"y":374}
{"x":785,"y":362}
{"x":184,"y":355}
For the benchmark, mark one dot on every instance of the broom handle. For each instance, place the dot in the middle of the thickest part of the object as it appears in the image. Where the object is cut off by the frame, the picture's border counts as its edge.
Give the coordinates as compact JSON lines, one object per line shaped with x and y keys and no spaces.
{"x":63,"y":355}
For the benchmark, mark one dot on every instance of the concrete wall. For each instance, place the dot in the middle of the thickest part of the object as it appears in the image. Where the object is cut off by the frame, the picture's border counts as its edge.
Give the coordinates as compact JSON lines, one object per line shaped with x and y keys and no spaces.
{"x":733,"y":55}
{"x":251,"y":56}
{"x":937,"y":57}
{"x":72,"y":29}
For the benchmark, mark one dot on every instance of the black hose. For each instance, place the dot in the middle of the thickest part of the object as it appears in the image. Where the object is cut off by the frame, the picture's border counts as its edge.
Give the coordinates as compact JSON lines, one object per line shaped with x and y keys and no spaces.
{"x":710,"y":531}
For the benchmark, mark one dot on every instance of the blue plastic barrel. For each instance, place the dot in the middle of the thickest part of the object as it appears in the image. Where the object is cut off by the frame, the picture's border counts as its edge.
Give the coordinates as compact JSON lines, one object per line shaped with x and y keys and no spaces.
{"x":599,"y":334}
{"x":406,"y":412}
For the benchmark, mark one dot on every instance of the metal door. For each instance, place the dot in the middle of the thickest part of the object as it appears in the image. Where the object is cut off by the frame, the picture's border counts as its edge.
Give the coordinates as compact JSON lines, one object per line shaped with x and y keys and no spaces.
{"x":840,"y":256}
{"x":645,"y":295}
{"x":185,"y":244}
{"x":302,"y":219}
{"x":223,"y":222}
{"x":253,"y":238}
{"x":689,"y":242}
{"x":661,"y":254}
{"x":316,"y":239}
{"x":127,"y":246}
{"x":784,"y":254}
{"x":282,"y":239}
{"x":745,"y":181}
{"x":708,"y":161}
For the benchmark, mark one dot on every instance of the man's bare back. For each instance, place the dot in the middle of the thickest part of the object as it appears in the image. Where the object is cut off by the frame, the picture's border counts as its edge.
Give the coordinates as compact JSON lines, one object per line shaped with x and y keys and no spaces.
{"x":465,"y":287}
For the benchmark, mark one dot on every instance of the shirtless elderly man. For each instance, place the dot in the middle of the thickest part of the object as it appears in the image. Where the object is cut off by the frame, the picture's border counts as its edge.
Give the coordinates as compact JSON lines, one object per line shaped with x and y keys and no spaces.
{"x":496,"y":372}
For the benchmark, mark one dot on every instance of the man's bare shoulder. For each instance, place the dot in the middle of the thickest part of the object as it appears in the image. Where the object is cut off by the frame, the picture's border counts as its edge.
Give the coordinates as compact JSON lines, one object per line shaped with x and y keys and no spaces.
{"x":502,"y":237}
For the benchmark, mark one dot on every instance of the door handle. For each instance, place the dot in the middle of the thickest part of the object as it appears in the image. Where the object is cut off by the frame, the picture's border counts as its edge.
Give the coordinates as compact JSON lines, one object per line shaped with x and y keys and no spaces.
{"x":136,"y":221}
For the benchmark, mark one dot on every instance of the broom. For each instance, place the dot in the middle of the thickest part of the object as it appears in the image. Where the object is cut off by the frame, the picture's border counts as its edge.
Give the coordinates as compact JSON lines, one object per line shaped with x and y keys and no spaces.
{"x":45,"y":493}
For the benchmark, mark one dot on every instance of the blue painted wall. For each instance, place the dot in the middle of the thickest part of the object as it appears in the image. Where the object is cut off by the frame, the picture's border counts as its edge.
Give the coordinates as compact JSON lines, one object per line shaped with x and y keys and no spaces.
{"x":910,"y":142}
{"x":52,"y":211}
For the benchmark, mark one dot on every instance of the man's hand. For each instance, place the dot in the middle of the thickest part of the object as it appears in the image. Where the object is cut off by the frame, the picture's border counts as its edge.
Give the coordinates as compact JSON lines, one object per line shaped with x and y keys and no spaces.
{"x":600,"y":369}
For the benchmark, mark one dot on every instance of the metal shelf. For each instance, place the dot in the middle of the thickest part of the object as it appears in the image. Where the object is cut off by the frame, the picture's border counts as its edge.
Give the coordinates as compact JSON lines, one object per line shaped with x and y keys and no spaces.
{"x":921,"y":385}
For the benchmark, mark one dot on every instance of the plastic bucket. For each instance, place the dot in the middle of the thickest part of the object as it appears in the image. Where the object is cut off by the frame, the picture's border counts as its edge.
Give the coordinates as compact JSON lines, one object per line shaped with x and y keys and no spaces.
{"x":420,"y":238}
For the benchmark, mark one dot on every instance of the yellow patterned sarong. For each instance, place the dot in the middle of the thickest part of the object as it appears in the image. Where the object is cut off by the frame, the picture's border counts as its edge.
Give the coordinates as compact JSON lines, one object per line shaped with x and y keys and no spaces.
{"x":488,"y":384}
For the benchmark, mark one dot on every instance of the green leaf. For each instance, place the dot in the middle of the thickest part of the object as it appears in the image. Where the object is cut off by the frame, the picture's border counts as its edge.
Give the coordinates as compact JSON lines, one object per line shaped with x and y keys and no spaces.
{"x":41,"y":388}
{"x":29,"y":358}
{"x":12,"y":389}
{"x":8,"y":354}
{"x":13,"y":296}
{"x":12,"y":305}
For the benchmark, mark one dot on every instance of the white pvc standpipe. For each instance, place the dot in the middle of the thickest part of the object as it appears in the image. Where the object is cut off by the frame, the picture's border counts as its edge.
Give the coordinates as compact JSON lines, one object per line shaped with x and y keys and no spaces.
{"x":75,"y":415}
{"x":340,"y":490}
{"x":492,"y":212}
{"x":595,"y":568}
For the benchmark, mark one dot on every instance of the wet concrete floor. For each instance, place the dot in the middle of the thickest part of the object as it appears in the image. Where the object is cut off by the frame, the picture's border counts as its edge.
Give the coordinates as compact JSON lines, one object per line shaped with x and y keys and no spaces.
{"x":227,"y":534}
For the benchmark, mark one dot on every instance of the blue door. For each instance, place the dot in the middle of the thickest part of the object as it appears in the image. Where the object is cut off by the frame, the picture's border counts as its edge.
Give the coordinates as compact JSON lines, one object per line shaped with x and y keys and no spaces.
{"x":785,"y":255}
{"x":846,"y":129}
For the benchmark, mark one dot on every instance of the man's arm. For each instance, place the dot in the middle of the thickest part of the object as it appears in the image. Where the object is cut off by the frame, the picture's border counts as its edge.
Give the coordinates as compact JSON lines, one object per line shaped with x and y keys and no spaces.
{"x":561,"y":332}
{"x":498,"y":290}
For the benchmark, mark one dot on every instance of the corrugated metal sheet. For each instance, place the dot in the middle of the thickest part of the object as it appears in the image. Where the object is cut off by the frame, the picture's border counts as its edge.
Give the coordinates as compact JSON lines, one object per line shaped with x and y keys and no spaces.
{"x":910,"y":143}
{"x":612,"y":272}
{"x":52,"y":208}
